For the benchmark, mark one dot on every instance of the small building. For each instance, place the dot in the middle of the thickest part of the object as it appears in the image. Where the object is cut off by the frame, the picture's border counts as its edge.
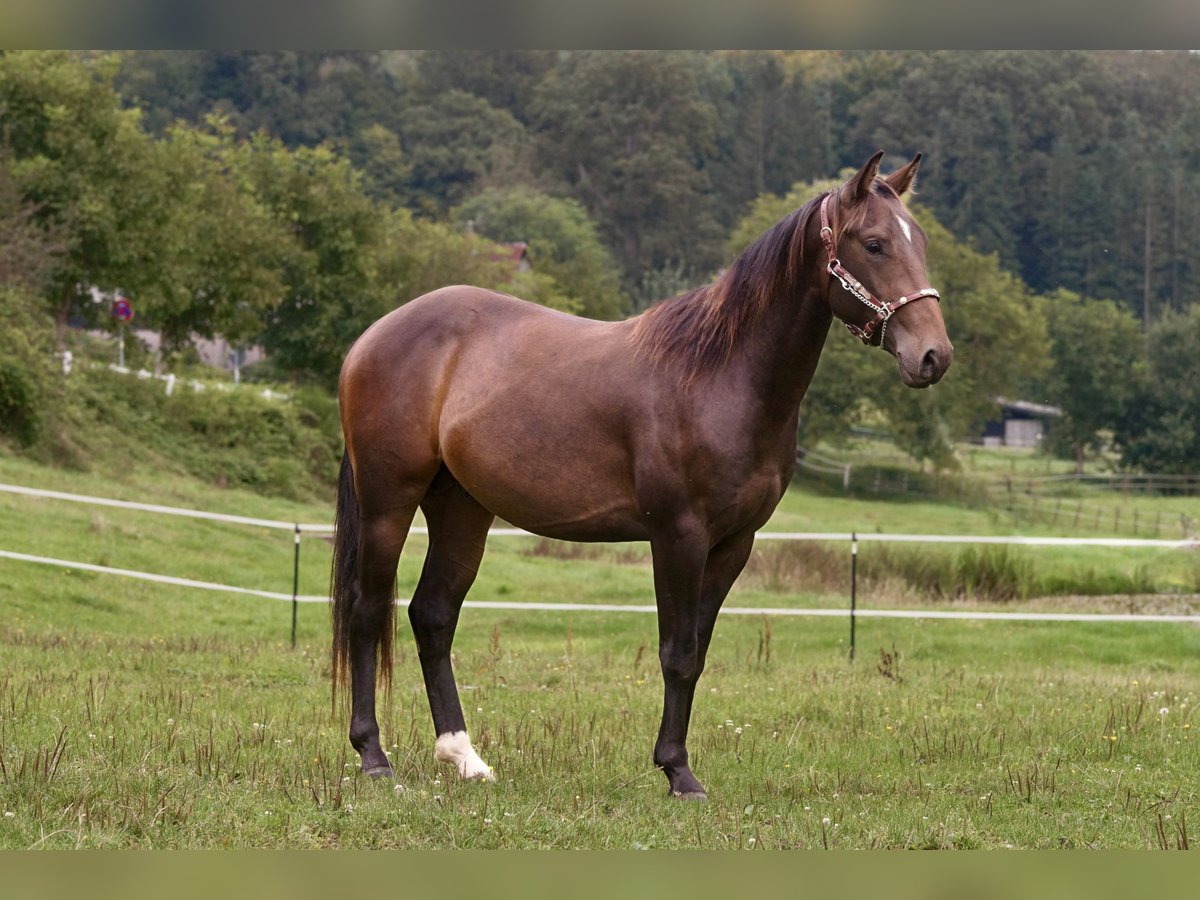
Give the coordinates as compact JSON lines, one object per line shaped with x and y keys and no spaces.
{"x":1021,"y":424}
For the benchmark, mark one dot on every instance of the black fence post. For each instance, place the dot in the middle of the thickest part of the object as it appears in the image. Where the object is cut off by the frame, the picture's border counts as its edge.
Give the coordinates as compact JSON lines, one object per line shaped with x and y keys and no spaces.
{"x":853,"y":587}
{"x":295,"y":583}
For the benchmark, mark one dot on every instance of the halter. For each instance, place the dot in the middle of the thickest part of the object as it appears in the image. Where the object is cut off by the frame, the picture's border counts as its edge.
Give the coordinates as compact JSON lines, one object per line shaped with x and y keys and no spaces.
{"x":883,"y":311}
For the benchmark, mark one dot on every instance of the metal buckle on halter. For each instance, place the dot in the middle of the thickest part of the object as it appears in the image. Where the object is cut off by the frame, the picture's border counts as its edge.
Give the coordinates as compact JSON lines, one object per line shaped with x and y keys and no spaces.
{"x":850,"y":283}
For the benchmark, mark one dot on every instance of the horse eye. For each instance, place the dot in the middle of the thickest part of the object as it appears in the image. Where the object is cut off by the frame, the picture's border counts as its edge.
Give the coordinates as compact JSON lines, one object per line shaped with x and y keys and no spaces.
{"x":874,"y":247}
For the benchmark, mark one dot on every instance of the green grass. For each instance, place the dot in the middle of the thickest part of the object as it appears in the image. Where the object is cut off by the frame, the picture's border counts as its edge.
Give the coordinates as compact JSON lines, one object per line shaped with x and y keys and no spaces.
{"x":135,"y":715}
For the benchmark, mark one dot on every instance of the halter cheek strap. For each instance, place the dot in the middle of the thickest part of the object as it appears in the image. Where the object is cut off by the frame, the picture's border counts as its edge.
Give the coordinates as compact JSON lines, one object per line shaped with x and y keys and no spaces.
{"x":883,"y":311}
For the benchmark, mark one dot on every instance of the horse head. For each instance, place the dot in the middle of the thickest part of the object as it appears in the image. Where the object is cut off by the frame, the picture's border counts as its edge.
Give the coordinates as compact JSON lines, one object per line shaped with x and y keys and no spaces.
{"x":869,"y":232}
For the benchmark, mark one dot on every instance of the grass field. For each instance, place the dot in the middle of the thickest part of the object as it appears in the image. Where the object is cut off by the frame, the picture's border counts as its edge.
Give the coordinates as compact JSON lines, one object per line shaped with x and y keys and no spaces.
{"x":133,"y":715}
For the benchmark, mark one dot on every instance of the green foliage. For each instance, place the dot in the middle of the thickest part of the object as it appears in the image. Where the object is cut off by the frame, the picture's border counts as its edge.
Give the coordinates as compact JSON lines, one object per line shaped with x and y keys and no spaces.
{"x":227,"y":438}
{"x":668,"y":280}
{"x":19,"y":416}
{"x":26,"y":377}
{"x":770,"y":130}
{"x":1160,"y":430}
{"x":84,"y":162}
{"x":563,"y":244}
{"x":331,"y":290}
{"x":1093,"y":345}
{"x":455,"y":143}
{"x":224,"y":249}
{"x":1077,"y":168}
{"x":506,"y":79}
{"x":266,"y":213}
{"x":628,"y":132}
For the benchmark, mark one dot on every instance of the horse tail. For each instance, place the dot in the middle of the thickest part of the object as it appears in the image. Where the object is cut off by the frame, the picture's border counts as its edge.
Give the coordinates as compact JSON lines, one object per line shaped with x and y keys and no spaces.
{"x":344,"y":579}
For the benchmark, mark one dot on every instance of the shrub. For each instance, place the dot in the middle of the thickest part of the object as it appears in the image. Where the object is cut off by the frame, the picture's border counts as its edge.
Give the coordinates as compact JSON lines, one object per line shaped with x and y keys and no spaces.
{"x":26,"y":366}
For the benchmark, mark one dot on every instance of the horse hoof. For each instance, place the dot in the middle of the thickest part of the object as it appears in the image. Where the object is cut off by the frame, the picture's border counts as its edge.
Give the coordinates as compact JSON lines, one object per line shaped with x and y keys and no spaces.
{"x":379,"y":772}
{"x":689,"y":795}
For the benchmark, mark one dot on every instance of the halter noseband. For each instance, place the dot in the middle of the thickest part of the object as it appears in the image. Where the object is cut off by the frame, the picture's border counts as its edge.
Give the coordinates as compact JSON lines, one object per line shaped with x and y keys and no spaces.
{"x":883,"y":311}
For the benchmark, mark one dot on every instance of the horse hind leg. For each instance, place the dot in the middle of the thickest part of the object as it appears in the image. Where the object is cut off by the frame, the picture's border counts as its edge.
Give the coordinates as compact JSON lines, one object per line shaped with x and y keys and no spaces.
{"x":369,"y":633}
{"x":458,"y":527}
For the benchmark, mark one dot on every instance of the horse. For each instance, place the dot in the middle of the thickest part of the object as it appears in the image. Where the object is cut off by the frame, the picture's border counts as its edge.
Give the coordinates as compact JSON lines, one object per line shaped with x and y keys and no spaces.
{"x":677,"y":427}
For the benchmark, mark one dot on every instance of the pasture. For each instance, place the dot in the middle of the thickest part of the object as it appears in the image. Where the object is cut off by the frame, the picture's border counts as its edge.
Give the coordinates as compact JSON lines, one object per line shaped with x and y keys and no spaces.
{"x":133,"y":715}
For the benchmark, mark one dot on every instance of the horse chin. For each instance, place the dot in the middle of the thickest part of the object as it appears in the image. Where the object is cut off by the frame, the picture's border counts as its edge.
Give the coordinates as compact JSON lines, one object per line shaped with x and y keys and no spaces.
{"x":915,"y":379}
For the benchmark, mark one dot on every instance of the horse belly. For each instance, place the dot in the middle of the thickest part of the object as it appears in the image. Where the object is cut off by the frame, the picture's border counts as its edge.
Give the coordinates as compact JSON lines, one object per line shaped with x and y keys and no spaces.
{"x":572,"y":493}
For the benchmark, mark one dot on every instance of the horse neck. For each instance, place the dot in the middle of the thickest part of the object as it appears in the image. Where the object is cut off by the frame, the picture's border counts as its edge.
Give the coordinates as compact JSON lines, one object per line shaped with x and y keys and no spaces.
{"x":782,"y":355}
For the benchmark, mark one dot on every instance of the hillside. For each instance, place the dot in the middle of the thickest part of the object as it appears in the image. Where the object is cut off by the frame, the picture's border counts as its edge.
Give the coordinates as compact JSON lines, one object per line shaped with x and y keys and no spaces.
{"x":278,"y":441}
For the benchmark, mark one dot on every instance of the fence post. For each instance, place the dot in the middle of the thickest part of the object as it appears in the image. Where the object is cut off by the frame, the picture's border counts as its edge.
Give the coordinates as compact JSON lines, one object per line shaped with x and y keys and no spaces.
{"x":853,"y":587}
{"x":295,"y":583}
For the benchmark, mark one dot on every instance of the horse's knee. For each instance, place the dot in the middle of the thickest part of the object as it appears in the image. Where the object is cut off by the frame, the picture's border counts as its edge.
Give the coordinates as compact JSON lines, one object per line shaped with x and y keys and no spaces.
{"x":680,"y":664}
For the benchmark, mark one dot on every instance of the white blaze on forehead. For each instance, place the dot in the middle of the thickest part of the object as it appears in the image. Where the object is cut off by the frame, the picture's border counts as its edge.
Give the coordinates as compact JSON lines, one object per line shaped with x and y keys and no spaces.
{"x":455,"y":747}
{"x":904,"y":227}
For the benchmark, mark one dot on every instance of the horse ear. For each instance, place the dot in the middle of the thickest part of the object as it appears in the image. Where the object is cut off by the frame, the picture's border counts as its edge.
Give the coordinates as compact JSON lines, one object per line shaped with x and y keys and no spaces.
{"x":902,"y":179}
{"x":859,"y":185}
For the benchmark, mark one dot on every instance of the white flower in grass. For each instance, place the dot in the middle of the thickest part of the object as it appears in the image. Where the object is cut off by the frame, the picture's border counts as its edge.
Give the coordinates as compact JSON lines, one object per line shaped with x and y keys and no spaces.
{"x":1164,"y":711}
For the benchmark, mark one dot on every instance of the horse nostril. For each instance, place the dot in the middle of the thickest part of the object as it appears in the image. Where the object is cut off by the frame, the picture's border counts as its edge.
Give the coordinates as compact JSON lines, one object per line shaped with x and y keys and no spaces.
{"x":929,"y":365}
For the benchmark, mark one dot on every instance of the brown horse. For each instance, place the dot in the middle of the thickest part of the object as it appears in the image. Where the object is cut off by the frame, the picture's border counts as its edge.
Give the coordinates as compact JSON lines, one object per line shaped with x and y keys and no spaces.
{"x":677,"y":427}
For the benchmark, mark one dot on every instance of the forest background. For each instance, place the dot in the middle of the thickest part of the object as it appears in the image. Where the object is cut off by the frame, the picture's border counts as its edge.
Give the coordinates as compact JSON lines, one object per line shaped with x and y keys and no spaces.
{"x":288,"y":199}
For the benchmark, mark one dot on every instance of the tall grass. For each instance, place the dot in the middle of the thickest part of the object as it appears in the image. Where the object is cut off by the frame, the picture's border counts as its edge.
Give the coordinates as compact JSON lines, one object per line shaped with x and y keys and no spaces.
{"x":990,"y":574}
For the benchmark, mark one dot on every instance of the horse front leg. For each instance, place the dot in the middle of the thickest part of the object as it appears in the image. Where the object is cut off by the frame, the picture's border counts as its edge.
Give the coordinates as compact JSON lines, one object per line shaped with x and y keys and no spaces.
{"x":678,"y":574}
{"x":683,"y":645}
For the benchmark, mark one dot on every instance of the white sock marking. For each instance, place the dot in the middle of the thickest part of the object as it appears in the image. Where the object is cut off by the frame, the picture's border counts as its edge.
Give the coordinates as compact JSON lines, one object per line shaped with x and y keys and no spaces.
{"x":904,"y":227}
{"x":455,"y":747}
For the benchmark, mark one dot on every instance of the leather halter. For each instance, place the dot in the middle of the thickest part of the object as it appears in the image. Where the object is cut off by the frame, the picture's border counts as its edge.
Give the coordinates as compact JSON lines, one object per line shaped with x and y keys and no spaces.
{"x":883,"y":311}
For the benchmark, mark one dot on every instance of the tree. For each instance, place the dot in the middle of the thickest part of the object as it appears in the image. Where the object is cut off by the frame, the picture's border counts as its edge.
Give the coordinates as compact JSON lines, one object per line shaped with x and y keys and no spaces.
{"x":454,"y":144}
{"x":421,"y":256}
{"x":223,"y":252}
{"x":27,"y":385}
{"x":1160,"y":430}
{"x":765,"y":135}
{"x":331,"y":290}
{"x":629,"y":133}
{"x":1093,"y":343}
{"x":26,"y":331}
{"x":506,"y":79}
{"x":28,"y":250}
{"x":563,"y":244}
{"x":351,"y":260}
{"x":87,"y":169}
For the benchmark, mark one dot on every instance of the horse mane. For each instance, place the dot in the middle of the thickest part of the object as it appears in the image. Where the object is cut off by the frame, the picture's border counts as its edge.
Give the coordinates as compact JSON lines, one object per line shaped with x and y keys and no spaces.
{"x":699,"y":329}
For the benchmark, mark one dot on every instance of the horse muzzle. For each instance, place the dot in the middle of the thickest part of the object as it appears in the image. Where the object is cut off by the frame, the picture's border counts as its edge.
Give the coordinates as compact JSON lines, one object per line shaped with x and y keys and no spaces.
{"x":923,"y":366}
